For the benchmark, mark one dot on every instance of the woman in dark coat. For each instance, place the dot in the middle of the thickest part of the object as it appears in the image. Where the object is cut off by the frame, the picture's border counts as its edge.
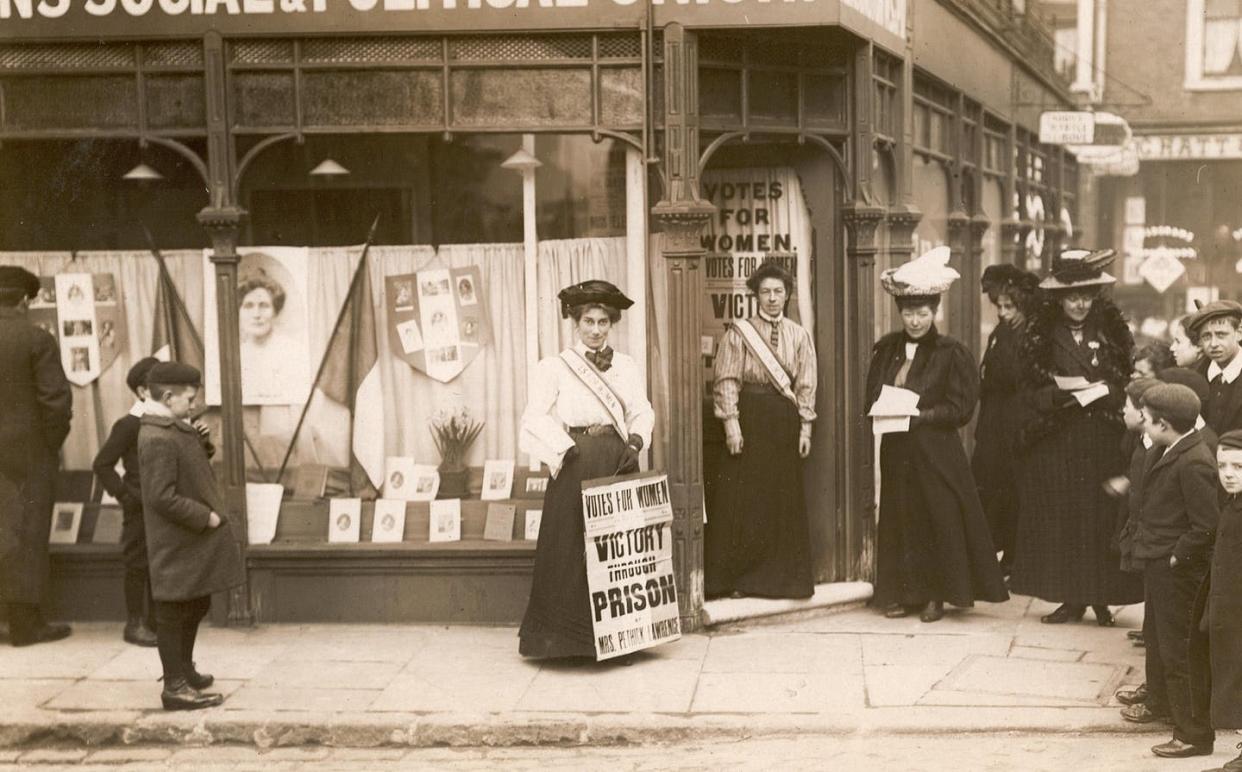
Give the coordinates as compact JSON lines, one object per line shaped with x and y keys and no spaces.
{"x":1067,"y":521}
{"x":1216,"y":641}
{"x":934,"y":545}
{"x":1011,"y":291}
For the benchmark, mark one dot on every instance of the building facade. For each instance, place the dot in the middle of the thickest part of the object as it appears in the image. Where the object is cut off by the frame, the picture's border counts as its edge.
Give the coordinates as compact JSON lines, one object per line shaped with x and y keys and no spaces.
{"x":679,"y":145}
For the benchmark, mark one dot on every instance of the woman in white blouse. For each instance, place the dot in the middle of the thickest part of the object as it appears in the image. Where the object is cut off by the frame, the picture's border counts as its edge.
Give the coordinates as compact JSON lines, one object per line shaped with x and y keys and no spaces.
{"x":588,"y":416}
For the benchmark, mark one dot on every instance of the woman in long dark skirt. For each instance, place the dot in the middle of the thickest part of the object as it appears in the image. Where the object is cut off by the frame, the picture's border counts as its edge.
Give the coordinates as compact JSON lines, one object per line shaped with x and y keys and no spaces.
{"x":933,"y":541}
{"x":1011,"y":290}
{"x":757,"y":540}
{"x":567,"y":426}
{"x":1067,"y":521}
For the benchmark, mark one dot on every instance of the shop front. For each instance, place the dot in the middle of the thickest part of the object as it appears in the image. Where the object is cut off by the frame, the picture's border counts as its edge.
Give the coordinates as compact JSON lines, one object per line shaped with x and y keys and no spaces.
{"x":203,"y":162}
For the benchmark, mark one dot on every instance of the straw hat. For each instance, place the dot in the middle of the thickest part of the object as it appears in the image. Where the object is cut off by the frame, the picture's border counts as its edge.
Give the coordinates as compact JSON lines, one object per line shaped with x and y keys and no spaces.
{"x":927,"y":274}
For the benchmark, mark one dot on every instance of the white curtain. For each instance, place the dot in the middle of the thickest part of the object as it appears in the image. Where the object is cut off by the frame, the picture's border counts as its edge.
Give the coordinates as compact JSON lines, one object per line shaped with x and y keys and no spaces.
{"x":493,"y":385}
{"x":1221,"y":42}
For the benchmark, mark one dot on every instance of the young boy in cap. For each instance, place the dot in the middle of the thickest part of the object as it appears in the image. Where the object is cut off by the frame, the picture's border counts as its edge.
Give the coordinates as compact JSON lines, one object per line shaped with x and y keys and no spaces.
{"x":1216,"y":639}
{"x":1176,"y":510}
{"x":1215,"y":329}
{"x":192,"y":549}
{"x":122,"y":445}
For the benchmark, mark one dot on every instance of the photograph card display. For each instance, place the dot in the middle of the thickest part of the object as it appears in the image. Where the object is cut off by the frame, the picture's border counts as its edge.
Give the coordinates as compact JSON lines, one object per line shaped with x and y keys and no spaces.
{"x":310,"y":481}
{"x":344,"y":520}
{"x":108,"y":526}
{"x":388,"y":525}
{"x":66,"y":520}
{"x":445,"y":521}
{"x":499,"y":525}
{"x":533,"y":517}
{"x":262,"y":511}
{"x":497,"y":479}
{"x":437,"y":319}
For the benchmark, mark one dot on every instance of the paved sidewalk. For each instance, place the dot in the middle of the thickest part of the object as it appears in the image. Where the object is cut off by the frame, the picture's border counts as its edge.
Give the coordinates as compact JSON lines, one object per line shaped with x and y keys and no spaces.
{"x":993,"y":668}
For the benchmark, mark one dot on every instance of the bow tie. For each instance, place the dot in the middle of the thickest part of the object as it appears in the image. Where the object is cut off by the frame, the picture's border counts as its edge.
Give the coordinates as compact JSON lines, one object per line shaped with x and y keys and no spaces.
{"x":602,"y":359}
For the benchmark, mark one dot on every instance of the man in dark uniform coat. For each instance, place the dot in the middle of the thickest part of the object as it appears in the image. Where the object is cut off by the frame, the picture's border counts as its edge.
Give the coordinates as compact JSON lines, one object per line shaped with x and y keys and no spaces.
{"x":1215,"y":329}
{"x":37,"y":405}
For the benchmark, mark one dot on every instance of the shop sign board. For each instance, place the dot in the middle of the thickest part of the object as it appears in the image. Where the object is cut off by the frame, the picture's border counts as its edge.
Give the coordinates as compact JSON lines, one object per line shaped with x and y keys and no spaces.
{"x":1067,"y":127}
{"x":83,"y":312}
{"x":129,"y":19}
{"x":1187,"y":147}
{"x":628,"y":529}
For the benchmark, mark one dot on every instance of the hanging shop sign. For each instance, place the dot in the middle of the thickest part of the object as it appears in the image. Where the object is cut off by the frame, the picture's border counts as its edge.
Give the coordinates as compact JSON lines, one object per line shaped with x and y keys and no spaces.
{"x":760,"y":217}
{"x":437,"y":319}
{"x":1161,"y":270}
{"x":882,"y":20}
{"x":83,"y":312}
{"x":273,"y":321}
{"x":628,"y":528}
{"x":1066,"y":127}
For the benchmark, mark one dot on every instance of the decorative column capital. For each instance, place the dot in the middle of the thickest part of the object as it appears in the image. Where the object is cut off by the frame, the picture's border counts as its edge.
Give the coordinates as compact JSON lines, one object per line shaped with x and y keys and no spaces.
{"x":863,"y":221}
{"x":901,"y":224}
{"x":223,"y":224}
{"x":682,"y":223}
{"x":957,"y":221}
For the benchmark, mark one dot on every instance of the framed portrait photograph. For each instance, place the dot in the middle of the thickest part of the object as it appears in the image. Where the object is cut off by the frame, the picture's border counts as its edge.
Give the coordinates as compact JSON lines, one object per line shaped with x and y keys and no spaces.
{"x":388,"y":525}
{"x":344,"y":520}
{"x":497,"y":479}
{"x":445,"y":521}
{"x":66,"y":521}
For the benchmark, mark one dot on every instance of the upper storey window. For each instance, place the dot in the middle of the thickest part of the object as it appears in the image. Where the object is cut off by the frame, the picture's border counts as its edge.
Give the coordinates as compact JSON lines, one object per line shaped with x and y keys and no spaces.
{"x":1214,"y":44}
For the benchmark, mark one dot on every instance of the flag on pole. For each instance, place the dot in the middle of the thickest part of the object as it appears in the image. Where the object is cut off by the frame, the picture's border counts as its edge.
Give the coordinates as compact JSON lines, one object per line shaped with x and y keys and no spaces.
{"x":350,"y":375}
{"x":174,"y":336}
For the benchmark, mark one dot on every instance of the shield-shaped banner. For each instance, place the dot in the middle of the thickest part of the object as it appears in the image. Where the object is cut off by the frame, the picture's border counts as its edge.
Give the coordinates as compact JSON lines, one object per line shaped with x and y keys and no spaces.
{"x":83,"y":311}
{"x":437,"y":319}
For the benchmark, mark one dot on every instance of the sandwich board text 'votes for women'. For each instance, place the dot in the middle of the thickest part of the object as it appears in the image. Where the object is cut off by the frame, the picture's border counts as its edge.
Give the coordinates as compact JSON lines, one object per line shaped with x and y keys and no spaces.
{"x":629,"y":558}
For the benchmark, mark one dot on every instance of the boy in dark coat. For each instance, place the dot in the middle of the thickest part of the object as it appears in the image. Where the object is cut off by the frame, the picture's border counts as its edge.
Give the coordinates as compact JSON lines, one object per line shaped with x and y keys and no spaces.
{"x":1216,"y":639}
{"x":192,"y":549}
{"x":35,"y":407}
{"x":1175,"y":509}
{"x":122,"y":445}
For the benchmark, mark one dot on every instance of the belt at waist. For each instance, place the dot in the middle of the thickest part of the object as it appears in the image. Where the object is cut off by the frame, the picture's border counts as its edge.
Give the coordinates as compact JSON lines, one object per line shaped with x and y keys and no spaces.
{"x":759,"y":388}
{"x":594,"y":430}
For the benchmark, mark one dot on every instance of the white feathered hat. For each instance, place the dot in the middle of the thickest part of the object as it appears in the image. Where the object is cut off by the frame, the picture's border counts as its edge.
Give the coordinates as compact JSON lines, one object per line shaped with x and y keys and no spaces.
{"x":927,"y":274}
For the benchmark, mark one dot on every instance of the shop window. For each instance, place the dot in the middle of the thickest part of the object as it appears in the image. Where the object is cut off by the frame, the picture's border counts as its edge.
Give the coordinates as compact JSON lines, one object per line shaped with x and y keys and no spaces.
{"x":720,"y":94}
{"x":384,"y":98}
{"x":580,"y":187}
{"x":824,"y":99}
{"x":621,"y":96}
{"x":1213,"y":44}
{"x":263,"y":99}
{"x":51,"y":102}
{"x":527,"y":97}
{"x":175,"y":102}
{"x":773,"y":95}
{"x":301,"y":217}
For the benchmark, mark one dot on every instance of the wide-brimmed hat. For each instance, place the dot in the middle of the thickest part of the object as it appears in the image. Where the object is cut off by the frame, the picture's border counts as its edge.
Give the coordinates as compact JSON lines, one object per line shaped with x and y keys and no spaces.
{"x":593,"y":291}
{"x":926,"y":275}
{"x":17,"y":279}
{"x":1079,"y":268}
{"x":1217,"y":309}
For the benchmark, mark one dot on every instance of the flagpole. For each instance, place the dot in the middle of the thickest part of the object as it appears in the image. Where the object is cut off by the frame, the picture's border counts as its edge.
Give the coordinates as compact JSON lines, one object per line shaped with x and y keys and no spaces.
{"x":323,"y":362}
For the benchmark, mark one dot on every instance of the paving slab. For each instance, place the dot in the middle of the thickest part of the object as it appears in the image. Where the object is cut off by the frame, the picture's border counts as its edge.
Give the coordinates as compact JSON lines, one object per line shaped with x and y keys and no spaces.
{"x":776,"y":693}
{"x":1075,"y":681}
{"x":489,"y":689}
{"x":1051,"y":655}
{"x":659,"y":686}
{"x":889,"y":685}
{"x":327,"y":674}
{"x":768,"y":652}
{"x":254,"y":696}
{"x":120,"y":695}
{"x":19,"y":694}
{"x":930,"y":649}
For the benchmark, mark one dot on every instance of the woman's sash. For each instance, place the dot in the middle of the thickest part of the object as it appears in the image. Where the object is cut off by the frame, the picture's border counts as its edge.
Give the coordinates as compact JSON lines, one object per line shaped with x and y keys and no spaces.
{"x":590,"y":377}
{"x":759,"y":349}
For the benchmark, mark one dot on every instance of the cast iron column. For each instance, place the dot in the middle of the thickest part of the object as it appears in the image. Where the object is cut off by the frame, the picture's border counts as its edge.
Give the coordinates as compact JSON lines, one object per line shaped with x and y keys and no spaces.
{"x":681,"y":215}
{"x":222,"y":218}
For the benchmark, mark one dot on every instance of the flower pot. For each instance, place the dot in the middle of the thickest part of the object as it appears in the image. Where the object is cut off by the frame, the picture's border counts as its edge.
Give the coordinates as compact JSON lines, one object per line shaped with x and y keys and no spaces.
{"x":454,"y":484}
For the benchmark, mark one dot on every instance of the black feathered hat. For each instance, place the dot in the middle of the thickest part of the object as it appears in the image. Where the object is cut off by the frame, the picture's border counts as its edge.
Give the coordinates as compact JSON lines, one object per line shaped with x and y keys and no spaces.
{"x":1006,"y":276}
{"x":1075,"y":268}
{"x":15,"y":278}
{"x":593,"y":291}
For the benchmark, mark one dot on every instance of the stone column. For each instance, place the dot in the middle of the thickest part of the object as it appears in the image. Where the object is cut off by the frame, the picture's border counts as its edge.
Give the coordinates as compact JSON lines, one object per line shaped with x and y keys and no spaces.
{"x":222,"y":219}
{"x":681,"y":216}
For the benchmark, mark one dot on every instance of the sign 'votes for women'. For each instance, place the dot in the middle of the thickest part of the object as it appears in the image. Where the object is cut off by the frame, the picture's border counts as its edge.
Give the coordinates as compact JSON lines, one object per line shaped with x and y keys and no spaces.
{"x":629,"y":556}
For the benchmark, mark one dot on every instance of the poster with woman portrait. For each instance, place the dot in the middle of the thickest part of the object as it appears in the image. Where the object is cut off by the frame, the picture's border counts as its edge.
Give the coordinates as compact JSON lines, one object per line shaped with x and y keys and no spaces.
{"x":272,"y":321}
